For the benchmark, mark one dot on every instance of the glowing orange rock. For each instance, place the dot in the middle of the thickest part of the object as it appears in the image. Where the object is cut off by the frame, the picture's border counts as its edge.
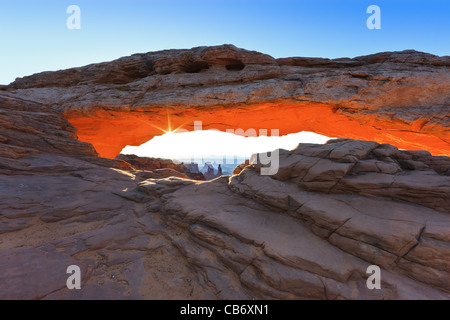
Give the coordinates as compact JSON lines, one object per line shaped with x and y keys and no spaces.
{"x":111,"y":131}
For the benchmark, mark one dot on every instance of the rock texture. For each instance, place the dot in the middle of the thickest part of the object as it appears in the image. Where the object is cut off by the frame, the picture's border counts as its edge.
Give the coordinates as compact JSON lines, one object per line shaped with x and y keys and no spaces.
{"x":162,"y":168}
{"x":308,"y":232}
{"x":400,"y":98}
{"x":241,"y":167}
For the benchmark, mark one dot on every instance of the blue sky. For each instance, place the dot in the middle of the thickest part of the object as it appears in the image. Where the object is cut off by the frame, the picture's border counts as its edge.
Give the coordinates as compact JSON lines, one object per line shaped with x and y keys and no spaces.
{"x":34,"y":36}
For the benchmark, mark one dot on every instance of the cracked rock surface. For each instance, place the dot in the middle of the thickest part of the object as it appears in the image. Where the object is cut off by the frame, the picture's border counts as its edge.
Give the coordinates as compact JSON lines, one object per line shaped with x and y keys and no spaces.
{"x":308,"y":232}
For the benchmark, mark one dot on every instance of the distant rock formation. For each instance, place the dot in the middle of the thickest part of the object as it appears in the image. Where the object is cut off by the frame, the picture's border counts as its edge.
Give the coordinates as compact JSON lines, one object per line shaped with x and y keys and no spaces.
{"x":210,"y":173}
{"x":391,"y":97}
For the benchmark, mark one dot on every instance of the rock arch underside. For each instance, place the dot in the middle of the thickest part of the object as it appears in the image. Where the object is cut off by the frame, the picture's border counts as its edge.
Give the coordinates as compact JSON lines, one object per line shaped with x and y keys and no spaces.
{"x":308,"y":232}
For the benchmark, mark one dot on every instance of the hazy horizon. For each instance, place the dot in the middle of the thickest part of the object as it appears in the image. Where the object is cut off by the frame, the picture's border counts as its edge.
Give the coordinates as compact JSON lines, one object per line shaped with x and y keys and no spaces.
{"x":212,"y":144}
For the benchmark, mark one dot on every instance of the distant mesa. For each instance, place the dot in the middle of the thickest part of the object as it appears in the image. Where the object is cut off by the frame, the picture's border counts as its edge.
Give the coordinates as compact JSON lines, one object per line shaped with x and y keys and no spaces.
{"x":210,"y":172}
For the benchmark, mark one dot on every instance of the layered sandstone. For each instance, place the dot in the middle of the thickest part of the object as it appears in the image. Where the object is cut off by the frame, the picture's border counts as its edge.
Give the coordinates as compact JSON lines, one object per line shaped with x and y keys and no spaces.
{"x":307,"y":232}
{"x":400,"y":98}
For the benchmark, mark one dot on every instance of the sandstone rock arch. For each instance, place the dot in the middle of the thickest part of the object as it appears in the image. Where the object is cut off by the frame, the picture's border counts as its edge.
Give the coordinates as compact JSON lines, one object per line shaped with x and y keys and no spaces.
{"x":308,"y":232}
{"x":400,"y":98}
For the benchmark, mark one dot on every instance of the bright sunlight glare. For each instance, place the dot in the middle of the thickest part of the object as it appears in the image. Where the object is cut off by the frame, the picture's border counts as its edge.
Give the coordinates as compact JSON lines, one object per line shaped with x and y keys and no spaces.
{"x":212,"y":144}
